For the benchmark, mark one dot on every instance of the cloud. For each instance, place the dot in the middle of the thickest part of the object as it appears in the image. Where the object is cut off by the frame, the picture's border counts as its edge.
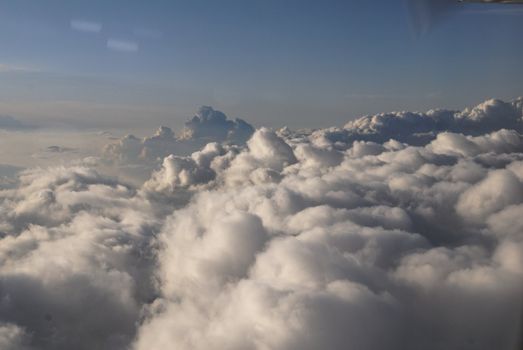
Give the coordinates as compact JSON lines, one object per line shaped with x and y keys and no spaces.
{"x":75,"y":267}
{"x":214,"y":125}
{"x":10,"y":123}
{"x":346,"y":249}
{"x":86,"y":26}
{"x":291,"y":240}
{"x":54,"y":151}
{"x":207,"y":126}
{"x":499,"y":190}
{"x":8,"y":174}
{"x":181,"y":173}
{"x":420,"y":128}
{"x":13,"y":337}
{"x":58,"y":149}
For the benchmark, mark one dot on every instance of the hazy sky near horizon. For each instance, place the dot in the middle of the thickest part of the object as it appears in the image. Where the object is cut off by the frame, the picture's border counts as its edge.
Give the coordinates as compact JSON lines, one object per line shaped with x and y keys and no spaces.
{"x":137,"y":64}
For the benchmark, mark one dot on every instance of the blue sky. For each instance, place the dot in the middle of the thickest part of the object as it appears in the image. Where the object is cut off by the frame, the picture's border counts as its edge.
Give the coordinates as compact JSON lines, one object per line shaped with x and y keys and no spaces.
{"x":137,"y":64}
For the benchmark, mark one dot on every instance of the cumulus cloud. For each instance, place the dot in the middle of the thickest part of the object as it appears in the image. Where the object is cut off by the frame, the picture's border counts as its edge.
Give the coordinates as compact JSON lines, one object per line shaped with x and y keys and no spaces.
{"x":367,"y":246}
{"x":421,"y":128}
{"x":213,"y":125}
{"x":74,"y":261}
{"x":182,"y":173}
{"x":289,"y":241}
{"x":207,"y":126}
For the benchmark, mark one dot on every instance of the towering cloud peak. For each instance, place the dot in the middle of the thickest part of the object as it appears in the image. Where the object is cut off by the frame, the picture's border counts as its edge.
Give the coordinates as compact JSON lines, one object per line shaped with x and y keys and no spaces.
{"x":164,"y":132}
{"x":214,"y":125}
{"x":140,"y":156}
{"x":207,"y":126}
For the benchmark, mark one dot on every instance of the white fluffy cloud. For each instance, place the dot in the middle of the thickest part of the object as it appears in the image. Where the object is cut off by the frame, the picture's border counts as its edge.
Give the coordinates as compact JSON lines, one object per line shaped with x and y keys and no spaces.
{"x":208,"y":125}
{"x":136,"y":157}
{"x":74,"y":261}
{"x":291,"y":241}
{"x":421,"y":128}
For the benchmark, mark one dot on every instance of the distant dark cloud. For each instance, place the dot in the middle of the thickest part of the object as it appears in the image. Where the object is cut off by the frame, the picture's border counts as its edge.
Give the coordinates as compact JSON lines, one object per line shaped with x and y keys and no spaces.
{"x":59,"y":149}
{"x":54,"y":151}
{"x":8,"y":174}
{"x":9,"y":170}
{"x":10,"y":123}
{"x":214,"y":126}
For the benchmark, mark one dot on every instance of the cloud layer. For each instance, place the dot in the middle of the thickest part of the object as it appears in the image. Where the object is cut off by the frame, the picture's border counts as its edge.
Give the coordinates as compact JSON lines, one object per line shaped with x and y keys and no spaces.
{"x":208,"y":125}
{"x":73,"y":247}
{"x":336,"y":239}
{"x":419,"y":128}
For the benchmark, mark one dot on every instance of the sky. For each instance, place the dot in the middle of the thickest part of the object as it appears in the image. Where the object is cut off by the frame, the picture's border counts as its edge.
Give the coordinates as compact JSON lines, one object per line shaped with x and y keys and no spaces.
{"x":135,"y":65}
